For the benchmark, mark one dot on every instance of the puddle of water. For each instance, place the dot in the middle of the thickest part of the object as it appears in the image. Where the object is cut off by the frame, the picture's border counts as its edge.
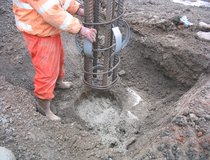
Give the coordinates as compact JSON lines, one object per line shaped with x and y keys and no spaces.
{"x":197,"y":3}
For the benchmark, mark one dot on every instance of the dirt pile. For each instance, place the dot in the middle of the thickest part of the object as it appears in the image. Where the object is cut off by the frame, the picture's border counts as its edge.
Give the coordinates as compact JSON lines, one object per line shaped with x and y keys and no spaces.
{"x":187,"y":136}
{"x":174,"y":49}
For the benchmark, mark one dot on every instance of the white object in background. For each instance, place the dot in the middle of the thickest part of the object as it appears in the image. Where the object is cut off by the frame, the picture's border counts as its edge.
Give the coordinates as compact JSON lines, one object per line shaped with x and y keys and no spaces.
{"x":198,"y":3}
{"x":6,"y":154}
{"x":185,"y":21}
{"x":134,"y":96}
{"x":132,"y":116}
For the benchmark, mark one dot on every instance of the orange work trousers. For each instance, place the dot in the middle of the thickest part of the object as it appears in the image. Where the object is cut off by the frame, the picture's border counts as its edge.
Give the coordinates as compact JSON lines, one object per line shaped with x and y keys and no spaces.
{"x":48,"y":60}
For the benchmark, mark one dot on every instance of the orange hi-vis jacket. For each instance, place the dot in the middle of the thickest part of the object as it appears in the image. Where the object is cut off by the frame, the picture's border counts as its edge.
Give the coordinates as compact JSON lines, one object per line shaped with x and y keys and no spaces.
{"x":46,"y":17}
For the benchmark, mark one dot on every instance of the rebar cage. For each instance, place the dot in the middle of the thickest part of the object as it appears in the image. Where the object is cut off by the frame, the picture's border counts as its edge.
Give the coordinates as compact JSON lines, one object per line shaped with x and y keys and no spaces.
{"x":102,"y":58}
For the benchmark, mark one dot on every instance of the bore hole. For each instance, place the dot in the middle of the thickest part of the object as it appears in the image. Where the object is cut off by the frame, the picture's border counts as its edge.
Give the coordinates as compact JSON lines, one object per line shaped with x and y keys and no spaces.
{"x":99,"y":109}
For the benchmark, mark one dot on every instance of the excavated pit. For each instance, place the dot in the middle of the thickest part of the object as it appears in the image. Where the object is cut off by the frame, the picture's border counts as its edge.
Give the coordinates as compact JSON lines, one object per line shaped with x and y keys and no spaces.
{"x":121,"y":118}
{"x":101,"y":111}
{"x":107,"y":114}
{"x":140,"y":101}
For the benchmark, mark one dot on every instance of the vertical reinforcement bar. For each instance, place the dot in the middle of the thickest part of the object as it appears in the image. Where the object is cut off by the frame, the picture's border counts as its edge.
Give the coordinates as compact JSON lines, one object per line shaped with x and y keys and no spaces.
{"x":111,"y":40}
{"x":119,"y":23}
{"x":120,"y":11}
{"x":101,"y":66}
{"x":89,"y":18}
{"x":96,"y":44}
{"x":108,"y":37}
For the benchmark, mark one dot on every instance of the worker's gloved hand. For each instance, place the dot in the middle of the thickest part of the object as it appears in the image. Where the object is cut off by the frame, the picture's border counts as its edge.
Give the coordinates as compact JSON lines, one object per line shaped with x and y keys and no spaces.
{"x":81,"y":12}
{"x":89,"y":33}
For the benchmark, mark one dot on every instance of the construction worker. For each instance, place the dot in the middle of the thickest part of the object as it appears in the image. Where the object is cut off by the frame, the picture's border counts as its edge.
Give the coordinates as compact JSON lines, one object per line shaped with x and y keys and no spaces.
{"x":41,"y":22}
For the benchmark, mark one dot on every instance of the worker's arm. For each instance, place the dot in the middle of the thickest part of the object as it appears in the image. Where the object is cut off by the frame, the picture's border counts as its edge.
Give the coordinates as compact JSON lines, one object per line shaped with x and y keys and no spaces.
{"x":73,"y":7}
{"x":80,"y":12}
{"x":56,"y":15}
{"x":53,"y":13}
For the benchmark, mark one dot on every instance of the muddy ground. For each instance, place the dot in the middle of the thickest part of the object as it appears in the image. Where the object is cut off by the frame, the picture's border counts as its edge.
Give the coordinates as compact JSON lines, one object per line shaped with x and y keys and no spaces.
{"x":160,"y":108}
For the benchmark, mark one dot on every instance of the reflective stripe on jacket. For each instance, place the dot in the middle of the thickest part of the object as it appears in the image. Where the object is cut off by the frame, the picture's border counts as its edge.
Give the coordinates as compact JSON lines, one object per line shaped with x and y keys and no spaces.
{"x":46,"y":17}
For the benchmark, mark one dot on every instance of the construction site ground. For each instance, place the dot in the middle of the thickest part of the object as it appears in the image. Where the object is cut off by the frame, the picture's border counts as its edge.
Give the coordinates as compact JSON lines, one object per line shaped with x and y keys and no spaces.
{"x":159,"y":109}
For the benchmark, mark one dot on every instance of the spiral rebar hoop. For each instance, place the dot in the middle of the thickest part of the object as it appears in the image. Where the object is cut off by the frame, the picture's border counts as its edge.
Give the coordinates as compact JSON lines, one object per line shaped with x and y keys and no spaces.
{"x":101,"y":69}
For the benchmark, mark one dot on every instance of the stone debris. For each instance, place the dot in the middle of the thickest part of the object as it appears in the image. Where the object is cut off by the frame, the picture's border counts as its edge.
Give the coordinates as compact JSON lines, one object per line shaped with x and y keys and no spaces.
{"x":180,"y":121}
{"x":122,"y":73}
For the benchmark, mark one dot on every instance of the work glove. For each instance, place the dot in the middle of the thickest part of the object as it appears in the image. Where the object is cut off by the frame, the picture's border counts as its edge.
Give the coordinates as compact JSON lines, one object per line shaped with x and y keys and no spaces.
{"x":89,"y":33}
{"x":81,"y":12}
